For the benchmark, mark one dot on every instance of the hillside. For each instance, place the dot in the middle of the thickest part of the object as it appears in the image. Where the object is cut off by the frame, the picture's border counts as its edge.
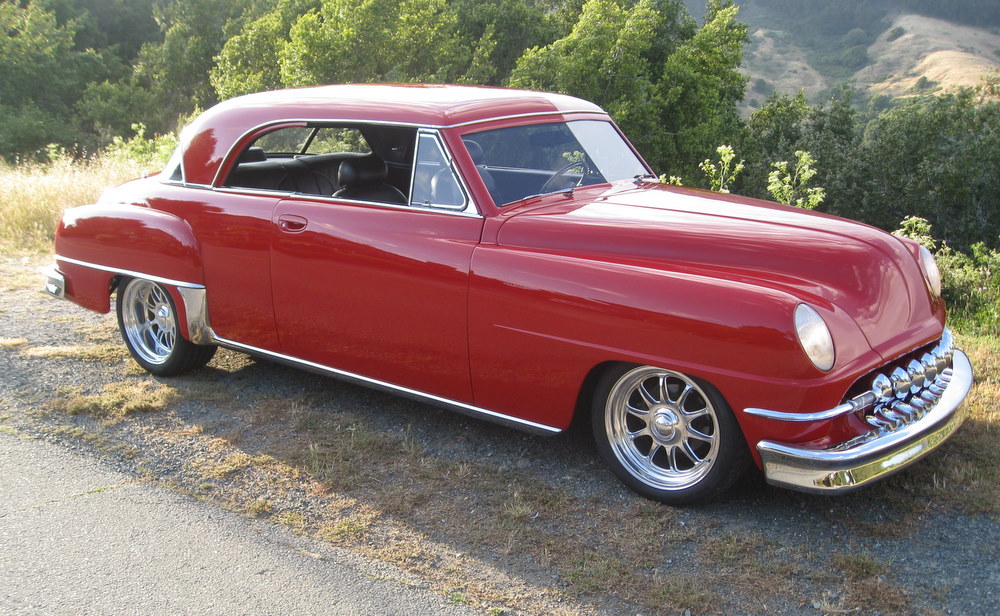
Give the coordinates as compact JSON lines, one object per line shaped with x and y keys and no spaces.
{"x":942,"y":53}
{"x":911,"y":54}
{"x":878,"y":53}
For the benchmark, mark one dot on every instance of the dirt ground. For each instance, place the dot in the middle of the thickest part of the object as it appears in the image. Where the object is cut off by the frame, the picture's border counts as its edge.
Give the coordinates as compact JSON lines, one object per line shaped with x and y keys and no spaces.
{"x":503,"y":521}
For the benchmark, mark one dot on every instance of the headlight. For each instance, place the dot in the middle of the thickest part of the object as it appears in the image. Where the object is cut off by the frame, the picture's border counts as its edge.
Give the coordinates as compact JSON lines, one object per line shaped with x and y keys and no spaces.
{"x":814,"y":336}
{"x":931,"y":271}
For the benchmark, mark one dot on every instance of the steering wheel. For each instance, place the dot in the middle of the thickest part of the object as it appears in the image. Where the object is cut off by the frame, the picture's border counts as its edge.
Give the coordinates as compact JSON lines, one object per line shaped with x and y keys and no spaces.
{"x":559,"y":181}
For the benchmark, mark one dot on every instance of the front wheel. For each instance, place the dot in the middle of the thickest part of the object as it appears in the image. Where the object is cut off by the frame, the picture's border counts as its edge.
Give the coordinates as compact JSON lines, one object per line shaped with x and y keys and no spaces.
{"x":147,"y":319}
{"x":666,"y":435}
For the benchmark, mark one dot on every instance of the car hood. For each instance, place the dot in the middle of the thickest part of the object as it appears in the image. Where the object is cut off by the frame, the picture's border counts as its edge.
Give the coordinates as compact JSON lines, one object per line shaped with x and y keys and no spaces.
{"x":827,"y":261}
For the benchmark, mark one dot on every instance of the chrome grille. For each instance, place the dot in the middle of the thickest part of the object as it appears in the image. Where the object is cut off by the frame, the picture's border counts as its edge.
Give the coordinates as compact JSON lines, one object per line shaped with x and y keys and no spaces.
{"x":904,"y":391}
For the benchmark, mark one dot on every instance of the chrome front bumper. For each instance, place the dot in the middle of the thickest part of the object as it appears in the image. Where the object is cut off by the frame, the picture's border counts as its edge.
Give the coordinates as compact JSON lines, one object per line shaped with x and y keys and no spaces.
{"x":843,"y":469}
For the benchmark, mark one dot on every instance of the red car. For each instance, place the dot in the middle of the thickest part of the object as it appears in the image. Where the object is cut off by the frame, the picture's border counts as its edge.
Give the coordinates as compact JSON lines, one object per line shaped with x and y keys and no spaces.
{"x":508,"y":254}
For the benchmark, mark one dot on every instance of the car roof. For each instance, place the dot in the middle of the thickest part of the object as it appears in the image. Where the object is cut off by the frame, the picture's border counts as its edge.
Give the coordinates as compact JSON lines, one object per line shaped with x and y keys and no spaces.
{"x":207,"y":141}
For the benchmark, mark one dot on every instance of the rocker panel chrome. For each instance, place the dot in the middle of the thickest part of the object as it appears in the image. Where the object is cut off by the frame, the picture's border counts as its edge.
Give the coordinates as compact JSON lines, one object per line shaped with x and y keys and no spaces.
{"x":461,"y":407}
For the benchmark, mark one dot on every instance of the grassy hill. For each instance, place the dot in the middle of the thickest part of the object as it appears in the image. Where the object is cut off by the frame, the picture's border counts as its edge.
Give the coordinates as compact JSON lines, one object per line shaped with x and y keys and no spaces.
{"x":877,"y":51}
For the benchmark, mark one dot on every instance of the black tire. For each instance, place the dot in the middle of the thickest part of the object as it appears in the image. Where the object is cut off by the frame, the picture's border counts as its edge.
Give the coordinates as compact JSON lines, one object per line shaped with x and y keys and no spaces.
{"x":147,"y":319}
{"x":668,"y":436}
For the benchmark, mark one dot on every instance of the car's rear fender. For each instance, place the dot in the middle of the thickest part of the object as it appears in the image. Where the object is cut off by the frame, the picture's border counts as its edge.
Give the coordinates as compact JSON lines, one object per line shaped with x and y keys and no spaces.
{"x":97,"y":245}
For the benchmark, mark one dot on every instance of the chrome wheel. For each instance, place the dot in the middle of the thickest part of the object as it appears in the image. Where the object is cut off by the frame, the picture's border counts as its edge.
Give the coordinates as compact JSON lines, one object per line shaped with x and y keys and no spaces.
{"x":148,"y":321}
{"x":662,"y":427}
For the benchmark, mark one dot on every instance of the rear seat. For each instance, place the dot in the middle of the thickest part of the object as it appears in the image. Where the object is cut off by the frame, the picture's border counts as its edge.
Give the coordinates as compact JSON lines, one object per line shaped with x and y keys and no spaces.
{"x":312,"y":175}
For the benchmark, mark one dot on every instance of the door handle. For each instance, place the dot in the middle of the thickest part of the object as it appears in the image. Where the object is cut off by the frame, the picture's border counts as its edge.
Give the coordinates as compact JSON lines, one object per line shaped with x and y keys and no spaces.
{"x":290,"y":223}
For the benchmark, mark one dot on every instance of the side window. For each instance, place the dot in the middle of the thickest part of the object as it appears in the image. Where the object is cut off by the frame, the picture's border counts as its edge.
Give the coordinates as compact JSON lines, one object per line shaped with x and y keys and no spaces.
{"x":287,"y":141}
{"x":434,"y":181}
{"x":334,"y":140}
{"x":174,"y":170}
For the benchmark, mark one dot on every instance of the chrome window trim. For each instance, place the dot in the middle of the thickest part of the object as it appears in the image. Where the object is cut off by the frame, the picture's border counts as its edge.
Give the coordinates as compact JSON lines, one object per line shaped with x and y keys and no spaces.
{"x":469,"y":208}
{"x":255,"y":192}
{"x":133,"y":274}
{"x":534,"y":114}
{"x":389,"y":206}
{"x":461,"y":407}
{"x":418,"y":126}
{"x":450,"y":162}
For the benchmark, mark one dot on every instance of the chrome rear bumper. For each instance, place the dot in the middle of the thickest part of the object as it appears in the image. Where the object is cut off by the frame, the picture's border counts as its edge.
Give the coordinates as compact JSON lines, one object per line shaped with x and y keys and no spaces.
{"x":844,"y":469}
{"x":55,"y":282}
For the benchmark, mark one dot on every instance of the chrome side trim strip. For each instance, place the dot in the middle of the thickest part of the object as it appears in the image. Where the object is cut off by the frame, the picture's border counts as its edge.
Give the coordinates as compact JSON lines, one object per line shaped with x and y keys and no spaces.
{"x":838,"y":470}
{"x":836,"y":411}
{"x":133,"y":274}
{"x":460,"y":407}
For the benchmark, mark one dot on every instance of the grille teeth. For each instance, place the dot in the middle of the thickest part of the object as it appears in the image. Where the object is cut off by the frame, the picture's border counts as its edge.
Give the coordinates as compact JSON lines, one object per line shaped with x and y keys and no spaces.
{"x":904,"y":394}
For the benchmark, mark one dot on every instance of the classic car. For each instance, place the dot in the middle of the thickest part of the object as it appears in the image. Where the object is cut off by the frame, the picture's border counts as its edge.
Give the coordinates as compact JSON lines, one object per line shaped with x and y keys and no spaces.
{"x":508,"y":254}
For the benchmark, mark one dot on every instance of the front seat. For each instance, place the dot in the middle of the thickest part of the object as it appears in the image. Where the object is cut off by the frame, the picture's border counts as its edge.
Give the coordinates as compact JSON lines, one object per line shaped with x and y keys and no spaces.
{"x":364,"y":179}
{"x":479,"y":158}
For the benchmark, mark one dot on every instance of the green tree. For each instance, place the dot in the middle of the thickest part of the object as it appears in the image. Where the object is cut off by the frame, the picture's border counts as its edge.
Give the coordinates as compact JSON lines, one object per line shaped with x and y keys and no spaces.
{"x":250,"y":61}
{"x":373,"y":40}
{"x":496,"y":33}
{"x":41,"y":76}
{"x":937,"y":158}
{"x":602,"y":59}
{"x":697,"y":95}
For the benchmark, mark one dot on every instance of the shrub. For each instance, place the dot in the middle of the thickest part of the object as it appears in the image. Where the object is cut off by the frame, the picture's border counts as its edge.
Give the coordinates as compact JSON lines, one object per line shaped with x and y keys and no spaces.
{"x":970,"y":282}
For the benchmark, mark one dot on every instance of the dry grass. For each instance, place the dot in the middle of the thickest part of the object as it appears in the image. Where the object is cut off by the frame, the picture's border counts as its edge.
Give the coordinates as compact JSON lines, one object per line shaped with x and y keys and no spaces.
{"x":34,"y":195}
{"x":220,"y":466}
{"x":106,"y":353}
{"x":945,"y":53}
{"x":117,"y":400}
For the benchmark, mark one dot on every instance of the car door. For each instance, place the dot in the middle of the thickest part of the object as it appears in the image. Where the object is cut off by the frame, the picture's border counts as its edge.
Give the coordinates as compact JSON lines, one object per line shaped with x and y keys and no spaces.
{"x":376,"y":289}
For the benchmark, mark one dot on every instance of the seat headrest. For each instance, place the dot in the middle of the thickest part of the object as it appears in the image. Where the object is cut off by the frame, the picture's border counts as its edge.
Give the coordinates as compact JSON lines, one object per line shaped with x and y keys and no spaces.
{"x":355,"y":171}
{"x":475,"y":151}
{"x":252,"y":155}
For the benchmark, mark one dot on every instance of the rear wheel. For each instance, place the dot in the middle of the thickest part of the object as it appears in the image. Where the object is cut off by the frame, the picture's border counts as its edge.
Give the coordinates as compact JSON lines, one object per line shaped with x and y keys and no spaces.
{"x":666,"y":435}
{"x":147,"y":319}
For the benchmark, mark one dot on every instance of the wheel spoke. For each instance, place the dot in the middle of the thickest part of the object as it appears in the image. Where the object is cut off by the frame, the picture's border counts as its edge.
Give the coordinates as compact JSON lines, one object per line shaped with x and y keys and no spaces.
{"x":652,"y":452}
{"x":664,"y":392}
{"x":682,"y":398}
{"x":644,"y":431}
{"x":672,"y":458}
{"x":699,"y":435}
{"x":649,"y":398}
{"x":689,"y":452}
{"x":641,"y":413}
{"x":695,"y":414}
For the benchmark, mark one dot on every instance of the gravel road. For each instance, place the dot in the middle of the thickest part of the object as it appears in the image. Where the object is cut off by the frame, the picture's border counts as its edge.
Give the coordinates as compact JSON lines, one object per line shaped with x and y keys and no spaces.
{"x":886,"y":550}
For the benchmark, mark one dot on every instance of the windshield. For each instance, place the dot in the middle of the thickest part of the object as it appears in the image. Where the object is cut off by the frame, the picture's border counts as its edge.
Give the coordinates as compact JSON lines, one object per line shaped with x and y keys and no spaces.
{"x":522,"y":161}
